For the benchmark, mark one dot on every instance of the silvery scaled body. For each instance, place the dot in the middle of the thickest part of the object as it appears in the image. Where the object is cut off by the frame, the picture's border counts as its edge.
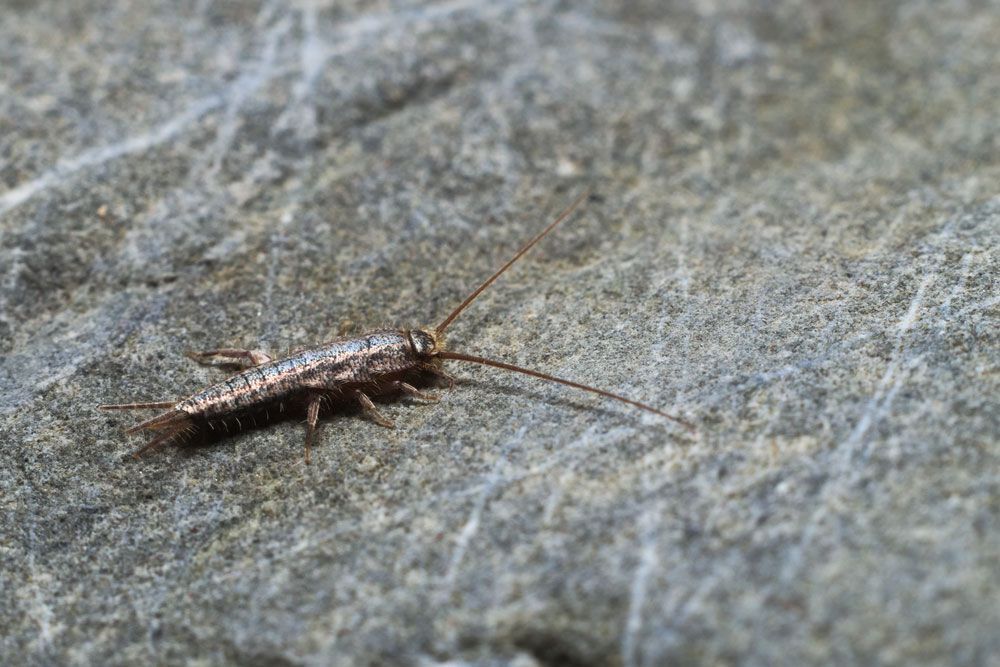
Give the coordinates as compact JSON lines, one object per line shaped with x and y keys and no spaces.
{"x":332,"y":367}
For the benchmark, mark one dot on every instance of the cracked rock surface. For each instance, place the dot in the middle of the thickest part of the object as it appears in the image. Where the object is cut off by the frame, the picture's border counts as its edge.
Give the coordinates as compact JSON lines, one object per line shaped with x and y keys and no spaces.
{"x":792,"y":240}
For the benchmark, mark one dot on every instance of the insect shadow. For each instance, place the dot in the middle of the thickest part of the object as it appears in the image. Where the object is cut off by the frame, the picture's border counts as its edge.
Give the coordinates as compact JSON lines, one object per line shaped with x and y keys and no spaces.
{"x":384,"y":363}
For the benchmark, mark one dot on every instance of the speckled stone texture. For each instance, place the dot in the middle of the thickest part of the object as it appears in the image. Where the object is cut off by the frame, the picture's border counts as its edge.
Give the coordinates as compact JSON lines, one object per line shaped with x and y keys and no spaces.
{"x":792,"y":240}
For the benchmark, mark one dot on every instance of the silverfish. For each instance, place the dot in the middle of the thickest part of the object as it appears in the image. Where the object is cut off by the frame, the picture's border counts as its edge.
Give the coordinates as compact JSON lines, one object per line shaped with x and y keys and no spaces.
{"x":377,"y":363}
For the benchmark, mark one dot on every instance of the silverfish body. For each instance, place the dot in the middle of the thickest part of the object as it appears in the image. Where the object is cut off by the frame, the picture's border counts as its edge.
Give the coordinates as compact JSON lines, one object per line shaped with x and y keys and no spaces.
{"x":335,"y":365}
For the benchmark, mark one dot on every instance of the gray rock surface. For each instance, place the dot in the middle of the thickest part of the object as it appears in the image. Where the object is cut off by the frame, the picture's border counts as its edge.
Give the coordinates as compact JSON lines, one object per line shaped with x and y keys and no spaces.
{"x":792,"y":240}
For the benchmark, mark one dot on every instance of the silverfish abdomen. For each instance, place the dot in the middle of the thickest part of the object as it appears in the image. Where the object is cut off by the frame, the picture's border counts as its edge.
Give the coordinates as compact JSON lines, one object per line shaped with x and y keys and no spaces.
{"x":352,"y":361}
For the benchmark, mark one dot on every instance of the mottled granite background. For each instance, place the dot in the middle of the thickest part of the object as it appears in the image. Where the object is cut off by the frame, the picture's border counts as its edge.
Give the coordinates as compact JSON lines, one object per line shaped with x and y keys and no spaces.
{"x":793,"y":241}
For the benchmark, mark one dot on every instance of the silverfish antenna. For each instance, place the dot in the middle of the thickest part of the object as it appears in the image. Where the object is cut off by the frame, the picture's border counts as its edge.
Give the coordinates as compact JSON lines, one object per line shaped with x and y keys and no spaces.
{"x":458,"y":356}
{"x":489,"y":281}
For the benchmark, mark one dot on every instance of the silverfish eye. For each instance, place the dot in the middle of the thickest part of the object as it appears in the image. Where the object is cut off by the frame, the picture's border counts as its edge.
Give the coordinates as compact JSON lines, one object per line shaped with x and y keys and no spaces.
{"x":423,"y":343}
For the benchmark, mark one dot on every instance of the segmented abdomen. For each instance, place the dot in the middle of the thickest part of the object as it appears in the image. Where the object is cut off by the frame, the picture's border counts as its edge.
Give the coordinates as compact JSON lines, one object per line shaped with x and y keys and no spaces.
{"x":329,"y":367}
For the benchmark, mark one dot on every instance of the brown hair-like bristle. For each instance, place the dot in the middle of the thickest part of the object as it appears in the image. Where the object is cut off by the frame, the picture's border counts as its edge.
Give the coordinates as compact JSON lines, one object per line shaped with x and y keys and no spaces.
{"x":458,"y":356}
{"x":489,"y":281}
